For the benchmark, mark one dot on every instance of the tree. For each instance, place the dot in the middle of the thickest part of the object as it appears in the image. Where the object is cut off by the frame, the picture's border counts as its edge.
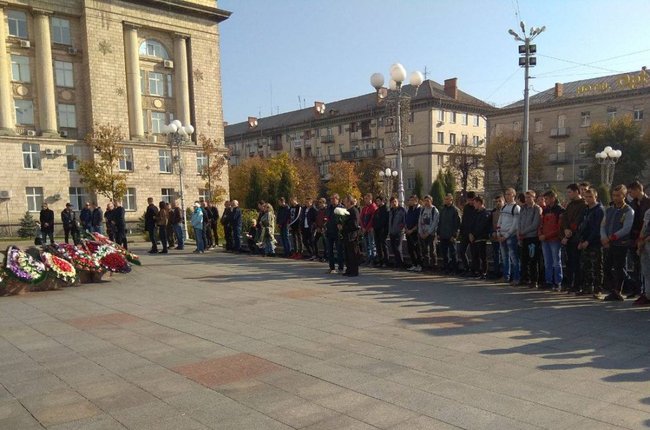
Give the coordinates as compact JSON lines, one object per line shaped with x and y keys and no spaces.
{"x":437,"y":193}
{"x":212,"y":172}
{"x":343,"y":180}
{"x":625,"y":134}
{"x":285,"y":185}
{"x":256,"y":188}
{"x":28,"y":226}
{"x":240,"y":178}
{"x":503,"y":156}
{"x":101,"y":175}
{"x":450,"y":182}
{"x":604,"y":195}
{"x":368,"y":172}
{"x":418,"y":184}
{"x":308,"y":178}
{"x":466,"y":164}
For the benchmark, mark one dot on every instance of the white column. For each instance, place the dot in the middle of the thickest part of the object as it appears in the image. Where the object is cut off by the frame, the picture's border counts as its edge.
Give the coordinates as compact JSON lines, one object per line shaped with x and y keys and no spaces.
{"x":181,"y":77}
{"x":45,"y":75}
{"x":132,"y":54}
{"x":7,"y":125}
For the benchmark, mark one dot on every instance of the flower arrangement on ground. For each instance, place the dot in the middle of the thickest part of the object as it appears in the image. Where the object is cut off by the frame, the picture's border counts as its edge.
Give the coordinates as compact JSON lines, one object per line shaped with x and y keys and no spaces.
{"x":80,"y":259}
{"x":131,"y":257}
{"x":61,"y":268}
{"x":108,"y":256}
{"x":22,"y":267}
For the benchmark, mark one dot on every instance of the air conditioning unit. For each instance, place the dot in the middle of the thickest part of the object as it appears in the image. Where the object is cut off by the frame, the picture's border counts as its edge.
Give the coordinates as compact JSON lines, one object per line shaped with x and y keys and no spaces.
{"x":5,"y":194}
{"x":63,"y":133}
{"x":73,"y":51}
{"x":58,"y":152}
{"x":31,"y":133}
{"x":49,"y":152}
{"x":25,"y":44}
{"x":168,"y":64}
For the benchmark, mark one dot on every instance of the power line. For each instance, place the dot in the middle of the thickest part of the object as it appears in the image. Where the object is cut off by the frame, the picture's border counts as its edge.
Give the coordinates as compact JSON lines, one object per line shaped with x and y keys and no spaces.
{"x":590,"y":64}
{"x":503,"y":83}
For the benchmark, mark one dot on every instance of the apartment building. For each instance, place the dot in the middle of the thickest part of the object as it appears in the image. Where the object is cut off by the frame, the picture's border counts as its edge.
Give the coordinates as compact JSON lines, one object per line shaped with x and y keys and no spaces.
{"x":361,"y":127}
{"x":138,"y":64}
{"x":560,"y":118}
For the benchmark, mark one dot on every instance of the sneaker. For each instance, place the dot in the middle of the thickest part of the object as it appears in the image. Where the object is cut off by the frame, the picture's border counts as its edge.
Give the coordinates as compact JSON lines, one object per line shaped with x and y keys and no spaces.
{"x":340,"y":271}
{"x":330,"y":271}
{"x":417,"y":269}
{"x":613,"y":297}
{"x":152,"y":251}
{"x":630,"y":296}
{"x":411,"y":269}
{"x":642,"y":300}
{"x":582,"y":293}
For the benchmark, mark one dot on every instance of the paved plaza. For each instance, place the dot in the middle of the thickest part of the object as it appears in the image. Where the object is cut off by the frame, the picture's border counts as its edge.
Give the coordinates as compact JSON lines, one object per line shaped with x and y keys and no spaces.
{"x":223,"y":341}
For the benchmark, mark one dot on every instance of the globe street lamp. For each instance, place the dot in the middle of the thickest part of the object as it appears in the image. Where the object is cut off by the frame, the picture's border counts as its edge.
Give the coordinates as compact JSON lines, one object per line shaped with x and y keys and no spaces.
{"x":387,"y":176}
{"x":398,"y":76}
{"x":607,"y":158}
{"x":179,"y":134}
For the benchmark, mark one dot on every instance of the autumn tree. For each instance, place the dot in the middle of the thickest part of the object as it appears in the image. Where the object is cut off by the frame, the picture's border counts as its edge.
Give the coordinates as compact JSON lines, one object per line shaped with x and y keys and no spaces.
{"x":212,"y":171}
{"x":101,"y":175}
{"x":368,"y":172}
{"x":503,"y":156}
{"x":256,"y":188}
{"x":624,"y":134}
{"x":343,"y":179}
{"x":466,"y":164}
{"x":240,"y":178}
{"x":307,"y":178}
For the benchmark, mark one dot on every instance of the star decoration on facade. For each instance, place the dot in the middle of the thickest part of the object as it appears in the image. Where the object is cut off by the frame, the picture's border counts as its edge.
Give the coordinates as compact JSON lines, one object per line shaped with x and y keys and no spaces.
{"x":105,"y":47}
{"x":119,"y":91}
{"x":198,"y":75}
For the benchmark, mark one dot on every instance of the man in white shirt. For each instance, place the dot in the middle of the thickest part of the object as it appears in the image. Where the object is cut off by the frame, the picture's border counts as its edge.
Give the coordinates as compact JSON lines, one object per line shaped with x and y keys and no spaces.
{"x":507,"y":236}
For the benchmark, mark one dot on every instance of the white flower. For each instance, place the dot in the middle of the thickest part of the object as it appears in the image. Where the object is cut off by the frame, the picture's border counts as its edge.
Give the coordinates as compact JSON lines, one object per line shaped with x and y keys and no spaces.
{"x":341,"y":212}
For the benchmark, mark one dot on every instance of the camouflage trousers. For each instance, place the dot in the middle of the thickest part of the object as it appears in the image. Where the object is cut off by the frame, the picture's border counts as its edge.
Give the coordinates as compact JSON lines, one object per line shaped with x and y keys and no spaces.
{"x":591,"y":266}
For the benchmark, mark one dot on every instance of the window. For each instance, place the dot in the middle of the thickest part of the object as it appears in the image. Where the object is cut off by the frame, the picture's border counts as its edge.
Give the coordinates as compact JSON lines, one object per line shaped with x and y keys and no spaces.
{"x":561,"y":147}
{"x":410,"y":162}
{"x":77,"y":197}
{"x":582,"y":172}
{"x":156,"y":84}
{"x":63,"y":74}
{"x":67,"y":115}
{"x":167,"y":194}
{"x":477,"y":120}
{"x":638,"y":114}
{"x":410,"y":183}
{"x":559,"y":173}
{"x":539,"y":125}
{"x":380,"y":143}
{"x":201,"y":162}
{"x":24,"y":112}
{"x":153,"y":48}
{"x":441,"y":137}
{"x":464,"y":118}
{"x":31,"y":156}
{"x":585,"y":119}
{"x":441,"y":115}
{"x":463,"y":139}
{"x":17,"y":23}
{"x":516,"y":125}
{"x":411,"y":116}
{"x":341,"y":128}
{"x":34,"y":198}
{"x":72,"y":155}
{"x":20,"y":69}
{"x":452,"y":117}
{"x":611,"y":113}
{"x":170,"y":85}
{"x":475,"y":182}
{"x":561,"y":121}
{"x":452,"y":138}
{"x":165,"y":160}
{"x":157,"y":121}
{"x":476,"y":141}
{"x":128,"y":202}
{"x":141,"y":81}
{"x":61,"y":31}
{"x":126,"y":160}
{"x":409,"y":140}
{"x":203,"y":194}
{"x":441,"y":159}
{"x":582,"y":147}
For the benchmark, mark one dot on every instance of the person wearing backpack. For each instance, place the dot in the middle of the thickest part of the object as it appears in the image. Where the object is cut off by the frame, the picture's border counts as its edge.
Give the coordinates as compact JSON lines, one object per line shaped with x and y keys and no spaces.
{"x":507,"y":237}
{"x":549,"y":236}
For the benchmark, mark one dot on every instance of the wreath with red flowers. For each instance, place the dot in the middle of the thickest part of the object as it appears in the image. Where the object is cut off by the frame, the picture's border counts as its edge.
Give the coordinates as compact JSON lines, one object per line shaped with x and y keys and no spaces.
{"x":80,"y":259}
{"x":61,"y":269}
{"x":131,"y":257}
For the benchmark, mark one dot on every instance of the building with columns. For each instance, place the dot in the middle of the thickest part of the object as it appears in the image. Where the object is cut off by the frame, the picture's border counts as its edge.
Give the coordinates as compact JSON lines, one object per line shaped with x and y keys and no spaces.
{"x":66,"y":65}
{"x":438,"y":117}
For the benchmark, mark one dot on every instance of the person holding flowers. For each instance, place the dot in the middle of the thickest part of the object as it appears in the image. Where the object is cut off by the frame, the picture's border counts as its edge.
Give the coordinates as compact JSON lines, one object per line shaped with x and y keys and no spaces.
{"x":332,"y":235}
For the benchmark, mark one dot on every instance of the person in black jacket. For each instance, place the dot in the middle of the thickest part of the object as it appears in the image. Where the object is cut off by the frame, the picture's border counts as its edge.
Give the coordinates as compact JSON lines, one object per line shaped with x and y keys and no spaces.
{"x":283,"y":219}
{"x":350,"y":233}
{"x":207,"y":225}
{"x":86,"y":217}
{"x":466,"y":222}
{"x":214,"y":222}
{"x":47,"y":223}
{"x":176,"y":221}
{"x":97,"y":218}
{"x":236,"y":225}
{"x":479,"y":233}
{"x":119,"y":224}
{"x":70,"y":224}
{"x":332,"y":236}
{"x":225,"y":221}
{"x":306,"y":225}
{"x":591,"y":259}
{"x":108,"y":218}
{"x":150,"y":224}
{"x":380,"y":228}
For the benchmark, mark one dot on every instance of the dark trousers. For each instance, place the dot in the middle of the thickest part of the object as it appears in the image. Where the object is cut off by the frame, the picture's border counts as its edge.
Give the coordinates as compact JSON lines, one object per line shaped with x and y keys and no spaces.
{"x":428,"y":249}
{"x":614,"y":272}
{"x":396,"y":249}
{"x":636,"y":274}
{"x":236,"y":238}
{"x":335,"y":242}
{"x":45,"y":235}
{"x":496,"y":258}
{"x":120,"y":236}
{"x":462,"y":251}
{"x":152,"y":237}
{"x":215,"y":232}
{"x":207,"y":235}
{"x":572,"y":273}
{"x":317,"y":239}
{"x":591,"y":267}
{"x":170,"y":235}
{"x":530,"y":252}
{"x":413,"y":247}
{"x":227,"y":231}
{"x":352,"y":255}
{"x":296,"y":240}
{"x":479,"y":257}
{"x":71,"y":232}
{"x":307,"y":240}
{"x":162,"y":233}
{"x":382,"y":248}
{"x":448,"y":251}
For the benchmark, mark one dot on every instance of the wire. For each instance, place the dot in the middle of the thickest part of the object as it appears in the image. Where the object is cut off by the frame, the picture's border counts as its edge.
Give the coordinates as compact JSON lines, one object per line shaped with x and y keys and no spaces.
{"x":580,"y":64}
{"x":588,"y":64}
{"x":503,"y":83}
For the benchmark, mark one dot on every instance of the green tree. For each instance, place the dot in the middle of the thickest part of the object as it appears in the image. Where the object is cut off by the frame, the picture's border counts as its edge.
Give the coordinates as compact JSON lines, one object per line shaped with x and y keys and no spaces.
{"x":450,"y":182}
{"x":255,"y":189}
{"x":101,"y":175}
{"x":437,"y":193}
{"x":604,"y":195}
{"x":503,"y":157}
{"x":285,"y":185}
{"x":28,"y":226}
{"x":418,"y":184}
{"x":624,"y":134}
{"x":465,"y":165}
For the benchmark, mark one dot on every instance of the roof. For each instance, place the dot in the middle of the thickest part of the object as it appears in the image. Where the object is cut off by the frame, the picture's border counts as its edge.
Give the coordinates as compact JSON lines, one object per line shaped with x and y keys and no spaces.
{"x":591,"y":87}
{"x":429,"y":90}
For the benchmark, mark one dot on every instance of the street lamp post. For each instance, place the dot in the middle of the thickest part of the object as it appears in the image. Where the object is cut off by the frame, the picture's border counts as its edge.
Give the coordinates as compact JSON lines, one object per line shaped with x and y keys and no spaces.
{"x":607,"y":158}
{"x":398,"y":76}
{"x":526,"y":60}
{"x":179,"y":134}
{"x":387,"y":176}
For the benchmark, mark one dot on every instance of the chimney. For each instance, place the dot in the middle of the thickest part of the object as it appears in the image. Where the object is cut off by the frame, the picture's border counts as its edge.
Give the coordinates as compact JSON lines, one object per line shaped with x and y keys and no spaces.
{"x":252,"y":122}
{"x":559,"y":90}
{"x":451,"y":87}
{"x":319,"y":108}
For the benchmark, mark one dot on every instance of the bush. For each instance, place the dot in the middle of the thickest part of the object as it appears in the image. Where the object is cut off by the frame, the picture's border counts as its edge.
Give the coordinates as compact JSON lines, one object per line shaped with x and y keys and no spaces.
{"x":28,"y":226}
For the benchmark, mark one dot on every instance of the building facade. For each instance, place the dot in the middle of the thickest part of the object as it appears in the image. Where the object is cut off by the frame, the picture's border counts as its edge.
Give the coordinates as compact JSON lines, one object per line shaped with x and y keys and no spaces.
{"x":438,"y":116}
{"x":560,"y":118}
{"x":66,"y":65}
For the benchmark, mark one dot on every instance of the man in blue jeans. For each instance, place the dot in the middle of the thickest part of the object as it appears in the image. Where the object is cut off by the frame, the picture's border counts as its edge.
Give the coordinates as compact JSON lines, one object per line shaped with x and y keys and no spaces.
{"x":283,"y":219}
{"x":332,"y":235}
{"x":507,"y":236}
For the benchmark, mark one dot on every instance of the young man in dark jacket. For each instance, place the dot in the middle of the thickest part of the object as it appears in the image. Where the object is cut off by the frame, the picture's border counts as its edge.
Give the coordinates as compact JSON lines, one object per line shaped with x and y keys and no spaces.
{"x":236,"y":224}
{"x":448,"y":233}
{"x":295,"y":227}
{"x":119,"y":223}
{"x":530,"y":217}
{"x":396,"y":225}
{"x":549,"y":236}
{"x":641,"y":204}
{"x":46,"y":219}
{"x":306,"y":226}
{"x":411,"y":230}
{"x":225,"y":221}
{"x":283,"y":218}
{"x":97,"y":218}
{"x":332,"y":235}
{"x":207,"y":225}
{"x":479,"y":233}
{"x":467,"y":220}
{"x":380,"y":229}
{"x":569,"y":223}
{"x":86,"y":217}
{"x":176,"y":221}
{"x":70,"y":224}
{"x":150,"y":224}
{"x":591,"y":259}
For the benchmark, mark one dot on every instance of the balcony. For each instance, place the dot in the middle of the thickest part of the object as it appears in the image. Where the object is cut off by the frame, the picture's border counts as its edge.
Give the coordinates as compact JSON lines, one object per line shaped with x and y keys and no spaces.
{"x":557,"y":158}
{"x":359,"y":154}
{"x":327,"y":139}
{"x":560,"y":132}
{"x":296,"y":143}
{"x":328,"y":158}
{"x":276,"y":146}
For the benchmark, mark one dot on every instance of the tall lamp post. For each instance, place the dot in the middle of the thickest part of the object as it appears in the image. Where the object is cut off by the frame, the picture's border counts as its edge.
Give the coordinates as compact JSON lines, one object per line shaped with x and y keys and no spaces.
{"x":178,"y":135}
{"x":607,"y":158}
{"x":526,"y":60}
{"x":398,"y":76}
{"x":387,"y":176}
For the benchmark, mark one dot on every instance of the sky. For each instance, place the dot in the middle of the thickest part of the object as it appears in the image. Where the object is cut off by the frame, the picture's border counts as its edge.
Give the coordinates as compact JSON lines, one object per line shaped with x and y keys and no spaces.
{"x":281,"y":55}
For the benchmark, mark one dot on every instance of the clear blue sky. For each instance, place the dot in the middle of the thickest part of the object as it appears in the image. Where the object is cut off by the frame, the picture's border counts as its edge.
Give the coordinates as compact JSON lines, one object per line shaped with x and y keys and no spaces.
{"x":275,"y":51}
